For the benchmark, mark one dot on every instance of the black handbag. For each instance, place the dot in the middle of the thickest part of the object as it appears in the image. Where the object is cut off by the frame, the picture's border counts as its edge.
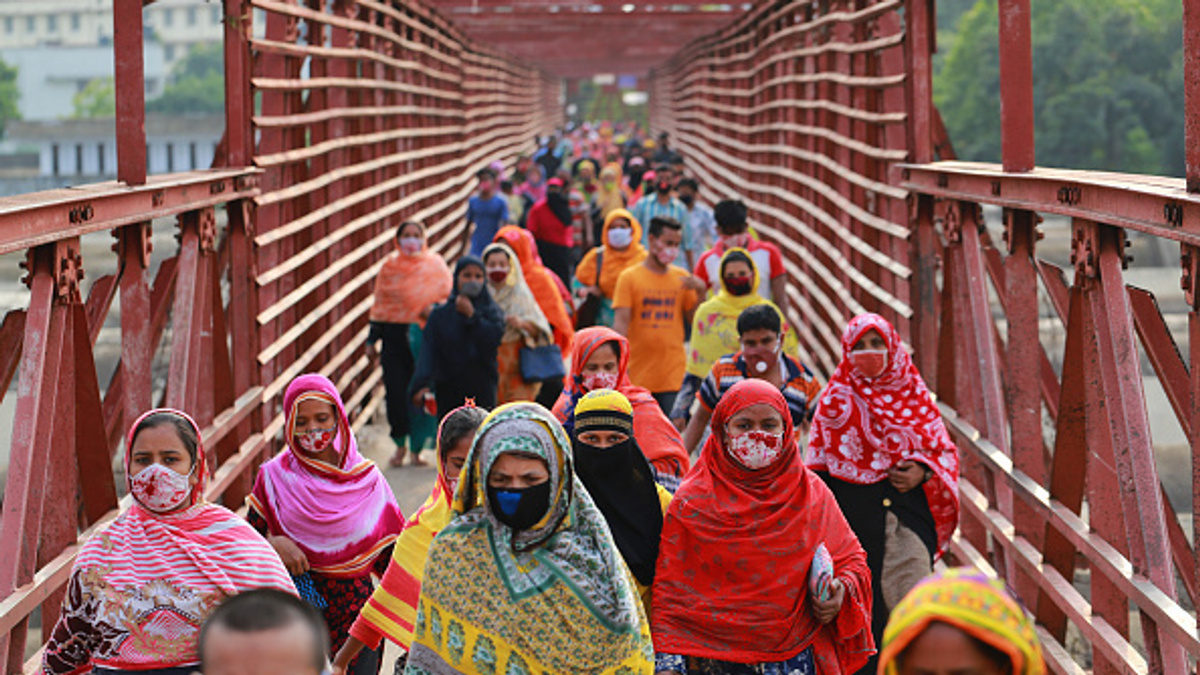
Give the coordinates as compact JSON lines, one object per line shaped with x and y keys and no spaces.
{"x":589,"y":311}
{"x":539,"y":364}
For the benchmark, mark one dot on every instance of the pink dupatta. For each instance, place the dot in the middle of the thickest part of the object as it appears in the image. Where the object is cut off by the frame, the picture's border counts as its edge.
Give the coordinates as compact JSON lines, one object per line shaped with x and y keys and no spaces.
{"x":341,"y":516}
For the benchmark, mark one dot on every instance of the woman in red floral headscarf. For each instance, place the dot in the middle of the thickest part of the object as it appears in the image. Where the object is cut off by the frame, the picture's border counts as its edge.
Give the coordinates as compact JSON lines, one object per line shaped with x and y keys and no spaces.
{"x":731,"y":589}
{"x":876,"y":437}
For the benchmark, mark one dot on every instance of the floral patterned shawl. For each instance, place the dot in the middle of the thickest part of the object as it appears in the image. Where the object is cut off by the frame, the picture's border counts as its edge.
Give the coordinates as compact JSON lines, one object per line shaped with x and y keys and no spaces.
{"x":555,"y":598}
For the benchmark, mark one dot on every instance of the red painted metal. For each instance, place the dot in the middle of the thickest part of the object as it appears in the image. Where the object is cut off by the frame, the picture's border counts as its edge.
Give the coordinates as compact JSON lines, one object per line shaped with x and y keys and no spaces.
{"x":1191,"y":92}
{"x":1016,"y":85}
{"x":130,"y":91}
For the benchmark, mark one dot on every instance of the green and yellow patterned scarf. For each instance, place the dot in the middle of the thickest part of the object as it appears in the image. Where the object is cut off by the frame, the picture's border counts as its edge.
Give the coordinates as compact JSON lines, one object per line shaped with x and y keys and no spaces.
{"x":556,"y":598}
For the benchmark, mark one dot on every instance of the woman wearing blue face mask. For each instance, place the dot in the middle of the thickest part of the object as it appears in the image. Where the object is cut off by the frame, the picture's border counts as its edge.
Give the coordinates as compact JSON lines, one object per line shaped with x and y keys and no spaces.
{"x":462,"y":337}
{"x":526,"y":578}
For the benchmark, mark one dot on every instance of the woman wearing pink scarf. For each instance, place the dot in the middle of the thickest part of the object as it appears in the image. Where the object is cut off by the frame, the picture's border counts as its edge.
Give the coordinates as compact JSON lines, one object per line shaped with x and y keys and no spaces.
{"x":326,"y":510}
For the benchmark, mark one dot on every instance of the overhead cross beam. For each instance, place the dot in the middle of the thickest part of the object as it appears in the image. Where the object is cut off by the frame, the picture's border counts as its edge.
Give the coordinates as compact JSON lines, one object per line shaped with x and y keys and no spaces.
{"x":577,"y":39}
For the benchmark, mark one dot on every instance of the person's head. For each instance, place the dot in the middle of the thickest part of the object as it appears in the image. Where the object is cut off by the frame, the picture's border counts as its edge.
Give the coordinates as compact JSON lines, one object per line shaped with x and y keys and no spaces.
{"x":587,"y":171}
{"x":521,"y":463}
{"x":410,"y":237}
{"x":487,"y":181}
{"x":164,"y":460}
{"x":666,"y":236}
{"x":603,"y":420}
{"x":555,"y":185}
{"x":621,"y":230}
{"x":534,"y":174}
{"x":263,"y":632}
{"x":760,"y":335}
{"x":871,"y":347}
{"x":738,"y":273}
{"x":687,"y":189}
{"x":455,"y":434}
{"x":469,"y":276}
{"x":602,"y":369}
{"x":523,"y":163}
{"x":609,"y":176}
{"x":731,"y":221}
{"x":315,"y":428}
{"x":753,"y":425}
{"x":498,"y":263}
{"x":506,"y":186}
{"x":960,"y":621}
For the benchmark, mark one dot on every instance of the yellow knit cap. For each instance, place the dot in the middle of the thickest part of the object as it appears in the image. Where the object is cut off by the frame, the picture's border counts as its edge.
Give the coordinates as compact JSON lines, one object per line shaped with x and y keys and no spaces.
{"x":604,"y":400}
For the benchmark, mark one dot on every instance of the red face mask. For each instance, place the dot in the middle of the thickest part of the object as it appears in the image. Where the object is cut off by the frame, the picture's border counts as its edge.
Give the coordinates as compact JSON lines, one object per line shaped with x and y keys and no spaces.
{"x":869,"y":363}
{"x":498,"y":276}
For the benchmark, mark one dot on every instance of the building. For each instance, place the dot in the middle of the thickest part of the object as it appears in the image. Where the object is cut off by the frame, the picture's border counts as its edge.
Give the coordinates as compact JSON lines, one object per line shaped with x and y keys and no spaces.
{"x":175,"y":24}
{"x":85,"y":150}
{"x":49,"y":76}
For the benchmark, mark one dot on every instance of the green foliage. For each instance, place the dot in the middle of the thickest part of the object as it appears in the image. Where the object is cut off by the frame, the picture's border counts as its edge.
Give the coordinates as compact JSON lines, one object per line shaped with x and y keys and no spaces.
{"x":1107,"y":78}
{"x":97,"y":99}
{"x":196,"y":84}
{"x":9,"y":95}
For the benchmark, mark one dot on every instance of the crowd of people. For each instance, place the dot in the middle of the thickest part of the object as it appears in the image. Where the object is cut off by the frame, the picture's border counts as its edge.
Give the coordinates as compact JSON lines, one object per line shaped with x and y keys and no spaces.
{"x":636,"y":471}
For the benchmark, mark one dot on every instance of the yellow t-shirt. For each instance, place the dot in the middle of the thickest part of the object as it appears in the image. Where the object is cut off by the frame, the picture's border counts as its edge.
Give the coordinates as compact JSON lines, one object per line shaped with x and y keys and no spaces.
{"x":658,"y":304}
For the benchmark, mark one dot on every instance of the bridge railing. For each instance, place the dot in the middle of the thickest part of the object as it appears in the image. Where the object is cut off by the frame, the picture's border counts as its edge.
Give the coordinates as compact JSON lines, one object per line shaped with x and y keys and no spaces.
{"x":819,"y":116}
{"x":343,"y":118}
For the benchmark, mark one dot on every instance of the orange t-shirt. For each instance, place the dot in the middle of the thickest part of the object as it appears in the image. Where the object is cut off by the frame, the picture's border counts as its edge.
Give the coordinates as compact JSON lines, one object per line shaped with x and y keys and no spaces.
{"x":657,"y":304}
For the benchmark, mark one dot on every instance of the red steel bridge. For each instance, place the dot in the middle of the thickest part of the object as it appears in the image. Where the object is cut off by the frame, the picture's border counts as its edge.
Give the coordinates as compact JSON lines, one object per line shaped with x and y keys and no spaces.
{"x":343,"y":115}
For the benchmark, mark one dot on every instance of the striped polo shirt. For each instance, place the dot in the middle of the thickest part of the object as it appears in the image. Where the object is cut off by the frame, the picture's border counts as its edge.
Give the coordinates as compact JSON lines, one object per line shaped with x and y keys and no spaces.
{"x":800,"y":389}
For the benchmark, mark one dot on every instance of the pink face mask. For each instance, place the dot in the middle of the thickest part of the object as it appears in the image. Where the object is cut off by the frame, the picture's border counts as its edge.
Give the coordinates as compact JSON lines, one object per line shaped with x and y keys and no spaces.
{"x":869,"y":363}
{"x":756,"y":449}
{"x":667,"y":255}
{"x":600,"y":379}
{"x":160,"y":489}
{"x":315,"y":441}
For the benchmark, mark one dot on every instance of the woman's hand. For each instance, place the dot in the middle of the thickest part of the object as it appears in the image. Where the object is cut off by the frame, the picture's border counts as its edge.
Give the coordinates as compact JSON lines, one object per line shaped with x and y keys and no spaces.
{"x":515,"y":323}
{"x":906,"y":475}
{"x":827,"y":610}
{"x":464,"y":306}
{"x":349,"y":650}
{"x":291,"y":555}
{"x":418,"y":398}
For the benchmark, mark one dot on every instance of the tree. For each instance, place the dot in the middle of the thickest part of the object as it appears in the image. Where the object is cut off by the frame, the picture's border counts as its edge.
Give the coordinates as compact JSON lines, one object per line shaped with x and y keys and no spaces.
{"x":9,"y":95}
{"x":96,"y":99}
{"x":1107,"y":79}
{"x":196,"y":84}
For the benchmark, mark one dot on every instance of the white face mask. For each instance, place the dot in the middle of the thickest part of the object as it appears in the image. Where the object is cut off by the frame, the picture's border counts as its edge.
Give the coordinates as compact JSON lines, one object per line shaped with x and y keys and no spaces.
{"x":410,"y":245}
{"x":160,"y":489}
{"x":620,"y":237}
{"x":756,"y":449}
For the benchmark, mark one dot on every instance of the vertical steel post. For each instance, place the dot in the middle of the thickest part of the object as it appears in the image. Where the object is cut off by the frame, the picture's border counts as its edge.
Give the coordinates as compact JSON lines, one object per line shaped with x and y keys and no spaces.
{"x":1191,"y":92}
{"x":1016,"y":86}
{"x":130,"y":83}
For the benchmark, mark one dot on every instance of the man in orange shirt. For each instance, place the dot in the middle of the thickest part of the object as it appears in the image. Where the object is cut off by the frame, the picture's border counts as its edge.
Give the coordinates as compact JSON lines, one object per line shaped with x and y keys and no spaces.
{"x":653,"y":304}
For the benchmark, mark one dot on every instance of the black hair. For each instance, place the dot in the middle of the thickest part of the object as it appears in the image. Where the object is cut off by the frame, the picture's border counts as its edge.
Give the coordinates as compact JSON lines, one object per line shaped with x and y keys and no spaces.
{"x":995,"y":655}
{"x":458,"y":425}
{"x":660,"y":223}
{"x":688,"y":182}
{"x":505,"y":185}
{"x":759,"y":317}
{"x":183,"y":429}
{"x":264,"y":609}
{"x":736,"y":256}
{"x":616,"y":347}
{"x":400,"y":230}
{"x":730,"y":216}
{"x":663,"y":167}
{"x":485,"y":173}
